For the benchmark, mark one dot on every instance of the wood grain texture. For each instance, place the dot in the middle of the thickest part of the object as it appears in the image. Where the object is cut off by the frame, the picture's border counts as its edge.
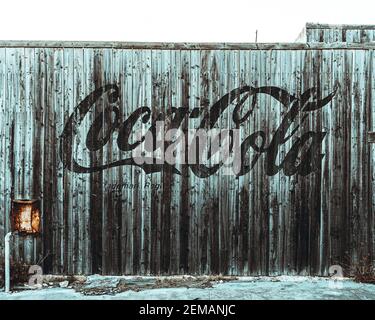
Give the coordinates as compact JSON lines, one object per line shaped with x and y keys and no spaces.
{"x":250,"y":225}
{"x":328,"y":34}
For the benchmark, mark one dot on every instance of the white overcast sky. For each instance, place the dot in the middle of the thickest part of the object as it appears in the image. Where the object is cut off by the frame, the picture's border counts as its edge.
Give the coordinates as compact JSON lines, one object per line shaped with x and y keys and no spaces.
{"x":174,"y":21}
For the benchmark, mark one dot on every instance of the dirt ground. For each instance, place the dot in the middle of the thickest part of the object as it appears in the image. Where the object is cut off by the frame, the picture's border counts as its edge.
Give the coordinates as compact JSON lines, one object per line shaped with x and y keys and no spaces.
{"x":194,"y":288}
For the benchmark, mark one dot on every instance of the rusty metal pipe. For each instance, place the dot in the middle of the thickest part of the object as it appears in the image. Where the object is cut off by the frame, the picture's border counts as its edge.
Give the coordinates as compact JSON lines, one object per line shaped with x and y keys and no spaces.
{"x":7,"y":261}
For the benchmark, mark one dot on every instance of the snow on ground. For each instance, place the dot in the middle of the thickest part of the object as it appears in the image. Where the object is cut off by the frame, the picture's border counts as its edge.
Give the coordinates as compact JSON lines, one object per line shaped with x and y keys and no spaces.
{"x":245,"y":288}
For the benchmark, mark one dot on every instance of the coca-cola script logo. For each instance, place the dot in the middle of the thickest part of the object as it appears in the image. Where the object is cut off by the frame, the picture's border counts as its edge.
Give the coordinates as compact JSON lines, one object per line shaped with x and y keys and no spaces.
{"x":303,"y":157}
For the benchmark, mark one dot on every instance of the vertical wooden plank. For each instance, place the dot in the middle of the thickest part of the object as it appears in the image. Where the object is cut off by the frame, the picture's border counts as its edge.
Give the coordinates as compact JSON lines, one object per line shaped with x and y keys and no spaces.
{"x":108,"y":179}
{"x":344,"y":94}
{"x":78,"y":154}
{"x":14,"y":56}
{"x":38,"y":179}
{"x":136,"y":172}
{"x":316,"y":183}
{"x":193,"y":181}
{"x":254,"y":249}
{"x":26,"y":90}
{"x":275,"y":109}
{"x":115,"y":198}
{"x":371,"y":105}
{"x":209,"y":95}
{"x":353,"y":36}
{"x":219,"y":83}
{"x":324,"y":252}
{"x":68,"y":178}
{"x":355,"y":186}
{"x":184,"y":213}
{"x":137,"y":100}
{"x":197,"y":227}
{"x":4,"y":114}
{"x":175,"y":87}
{"x":58,"y":208}
{"x":199,"y":218}
{"x":305,"y":182}
{"x":9,"y":137}
{"x":146,"y":178}
{"x":233,"y":75}
{"x":88,"y":85}
{"x":165,"y":108}
{"x":49,"y":163}
{"x":295,"y":76}
{"x":338,"y":105}
{"x":96,"y":184}
{"x":364,"y":114}
{"x":262,"y":182}
{"x":286,"y":186}
{"x":127,"y":100}
{"x":244,"y":181}
{"x":31,"y":245}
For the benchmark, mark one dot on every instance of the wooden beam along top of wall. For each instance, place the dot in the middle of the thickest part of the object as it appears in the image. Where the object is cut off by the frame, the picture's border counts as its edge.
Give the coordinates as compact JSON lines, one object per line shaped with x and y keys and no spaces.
{"x":187,"y":46}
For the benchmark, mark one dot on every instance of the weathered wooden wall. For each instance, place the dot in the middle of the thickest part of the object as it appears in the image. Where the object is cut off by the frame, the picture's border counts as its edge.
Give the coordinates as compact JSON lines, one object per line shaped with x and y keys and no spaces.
{"x":327,"y":33}
{"x":254,"y":224}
